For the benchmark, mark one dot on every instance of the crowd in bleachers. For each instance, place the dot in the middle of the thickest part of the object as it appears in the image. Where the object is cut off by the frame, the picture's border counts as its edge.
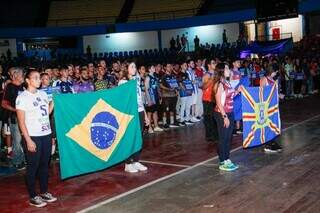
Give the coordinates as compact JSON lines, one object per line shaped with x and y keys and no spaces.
{"x":166,"y":81}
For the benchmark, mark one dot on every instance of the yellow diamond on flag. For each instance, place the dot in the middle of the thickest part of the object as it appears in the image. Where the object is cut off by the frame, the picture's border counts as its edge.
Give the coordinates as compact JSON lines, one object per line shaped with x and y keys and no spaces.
{"x":101,"y":130}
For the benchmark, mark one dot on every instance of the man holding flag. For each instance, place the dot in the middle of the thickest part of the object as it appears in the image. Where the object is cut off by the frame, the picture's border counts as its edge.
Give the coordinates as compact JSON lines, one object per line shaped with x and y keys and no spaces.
{"x":260,"y":113}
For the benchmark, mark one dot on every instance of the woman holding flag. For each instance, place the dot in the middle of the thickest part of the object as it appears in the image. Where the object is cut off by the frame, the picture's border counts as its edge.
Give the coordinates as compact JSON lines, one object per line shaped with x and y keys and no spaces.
{"x":223,"y":94}
{"x":268,"y":80}
{"x":133,"y":165}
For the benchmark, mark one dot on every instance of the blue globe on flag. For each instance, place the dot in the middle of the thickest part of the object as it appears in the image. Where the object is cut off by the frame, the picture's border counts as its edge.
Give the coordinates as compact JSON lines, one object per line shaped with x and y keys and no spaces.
{"x":103,"y":130}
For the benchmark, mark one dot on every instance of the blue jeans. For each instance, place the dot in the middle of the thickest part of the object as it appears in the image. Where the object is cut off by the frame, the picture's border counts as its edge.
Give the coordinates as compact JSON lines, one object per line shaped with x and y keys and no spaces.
{"x":17,"y":149}
{"x":225,"y":135}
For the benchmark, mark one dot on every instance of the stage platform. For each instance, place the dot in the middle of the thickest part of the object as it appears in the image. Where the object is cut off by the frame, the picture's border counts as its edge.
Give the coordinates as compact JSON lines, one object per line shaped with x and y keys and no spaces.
{"x":183,"y":175}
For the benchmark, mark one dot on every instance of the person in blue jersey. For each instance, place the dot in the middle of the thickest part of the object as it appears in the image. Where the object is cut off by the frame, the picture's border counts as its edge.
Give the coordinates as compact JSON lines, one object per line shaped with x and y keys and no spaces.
{"x":152,"y":99}
{"x":33,"y":110}
{"x":132,"y":164}
{"x":185,"y":93}
{"x":169,"y":87}
{"x":64,"y":83}
{"x":193,"y":99}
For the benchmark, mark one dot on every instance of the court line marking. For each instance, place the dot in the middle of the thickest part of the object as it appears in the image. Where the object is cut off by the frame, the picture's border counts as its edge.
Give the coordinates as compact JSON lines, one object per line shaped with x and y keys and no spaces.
{"x":165,"y":164}
{"x":176,"y":173}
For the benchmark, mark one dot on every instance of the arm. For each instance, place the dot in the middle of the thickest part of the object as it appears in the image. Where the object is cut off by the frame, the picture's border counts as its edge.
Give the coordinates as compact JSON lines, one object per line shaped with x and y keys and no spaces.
{"x":147,"y":86}
{"x":6,"y":105}
{"x":263,"y":82}
{"x":51,"y":106}
{"x":165,"y":88}
{"x":21,"y":121}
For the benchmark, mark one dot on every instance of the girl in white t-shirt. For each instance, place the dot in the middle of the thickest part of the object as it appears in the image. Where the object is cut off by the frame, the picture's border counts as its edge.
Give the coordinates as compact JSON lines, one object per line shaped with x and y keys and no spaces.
{"x":33,"y":110}
{"x":133,"y":165}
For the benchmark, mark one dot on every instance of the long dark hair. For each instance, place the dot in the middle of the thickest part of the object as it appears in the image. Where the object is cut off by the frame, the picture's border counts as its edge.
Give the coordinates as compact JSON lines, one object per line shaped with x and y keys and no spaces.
{"x":219,"y":73}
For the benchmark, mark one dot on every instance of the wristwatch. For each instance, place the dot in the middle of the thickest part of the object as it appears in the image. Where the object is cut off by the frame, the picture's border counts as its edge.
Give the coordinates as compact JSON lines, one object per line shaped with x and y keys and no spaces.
{"x":224,"y":116}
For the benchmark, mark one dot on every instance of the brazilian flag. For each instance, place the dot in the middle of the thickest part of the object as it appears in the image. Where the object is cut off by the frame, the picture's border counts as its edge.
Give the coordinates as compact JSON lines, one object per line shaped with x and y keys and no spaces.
{"x":96,"y":130}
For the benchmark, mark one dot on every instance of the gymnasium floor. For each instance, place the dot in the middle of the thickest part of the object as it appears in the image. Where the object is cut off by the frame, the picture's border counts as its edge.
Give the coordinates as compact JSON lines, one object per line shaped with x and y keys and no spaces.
{"x":183,"y":175}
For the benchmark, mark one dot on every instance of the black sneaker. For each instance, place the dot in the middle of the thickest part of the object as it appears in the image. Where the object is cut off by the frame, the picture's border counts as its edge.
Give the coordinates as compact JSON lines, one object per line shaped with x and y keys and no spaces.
{"x":20,"y":166}
{"x":275,"y":146}
{"x":270,"y":149}
{"x":47,"y":197}
{"x":166,"y":126}
{"x":182,"y":124}
{"x":189,"y":122}
{"x":37,"y":202}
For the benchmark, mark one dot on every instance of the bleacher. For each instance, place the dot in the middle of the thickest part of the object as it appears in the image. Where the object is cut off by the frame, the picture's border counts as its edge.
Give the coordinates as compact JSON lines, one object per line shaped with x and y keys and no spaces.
{"x":83,"y":12}
{"x":163,"y":9}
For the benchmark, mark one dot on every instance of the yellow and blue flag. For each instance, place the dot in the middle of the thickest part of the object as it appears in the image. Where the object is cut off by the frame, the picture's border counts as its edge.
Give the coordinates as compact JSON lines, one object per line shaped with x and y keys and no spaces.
{"x":260,"y":114}
{"x":97,"y":130}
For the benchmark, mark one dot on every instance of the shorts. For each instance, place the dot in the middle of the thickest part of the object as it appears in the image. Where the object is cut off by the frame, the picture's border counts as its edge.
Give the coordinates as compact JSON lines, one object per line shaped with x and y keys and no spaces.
{"x":6,"y":129}
{"x":153,"y":108}
{"x":169,"y":104}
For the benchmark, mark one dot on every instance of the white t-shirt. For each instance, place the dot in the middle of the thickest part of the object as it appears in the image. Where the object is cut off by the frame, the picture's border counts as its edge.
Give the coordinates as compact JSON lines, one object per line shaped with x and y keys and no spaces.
{"x":139,"y":93}
{"x":36,"y":108}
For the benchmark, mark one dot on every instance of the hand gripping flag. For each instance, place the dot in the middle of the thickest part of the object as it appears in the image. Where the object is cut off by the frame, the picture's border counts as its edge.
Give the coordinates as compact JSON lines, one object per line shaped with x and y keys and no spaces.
{"x":97,"y":130}
{"x":260,"y":114}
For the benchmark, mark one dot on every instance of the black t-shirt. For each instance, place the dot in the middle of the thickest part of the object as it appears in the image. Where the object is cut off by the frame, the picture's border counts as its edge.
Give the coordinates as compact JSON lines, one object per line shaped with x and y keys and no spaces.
{"x":10,"y":94}
{"x":165,"y":82}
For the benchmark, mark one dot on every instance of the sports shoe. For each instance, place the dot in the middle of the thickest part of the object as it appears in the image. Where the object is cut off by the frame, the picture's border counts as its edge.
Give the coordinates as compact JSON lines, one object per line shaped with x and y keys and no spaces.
{"x":37,"y":202}
{"x":47,"y":197}
{"x":228,"y":166}
{"x":158,"y":129}
{"x":269,"y":149}
{"x":193,"y":119}
{"x":182,"y":123}
{"x":231,"y":164}
{"x":276,"y":146}
{"x":129,"y":167}
{"x":139,"y":166}
{"x":20,"y":166}
{"x":150,"y":131}
{"x":174,"y":125}
{"x":189,"y":122}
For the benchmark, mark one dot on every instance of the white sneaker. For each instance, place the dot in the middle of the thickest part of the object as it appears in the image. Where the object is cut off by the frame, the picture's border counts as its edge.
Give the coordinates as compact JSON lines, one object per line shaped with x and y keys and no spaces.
{"x":130,"y":168}
{"x":193,"y":119}
{"x":139,"y":166}
{"x":157,"y":129}
{"x":150,"y":131}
